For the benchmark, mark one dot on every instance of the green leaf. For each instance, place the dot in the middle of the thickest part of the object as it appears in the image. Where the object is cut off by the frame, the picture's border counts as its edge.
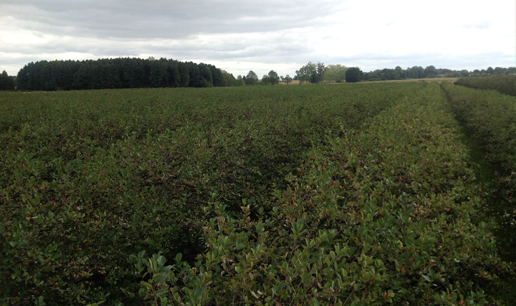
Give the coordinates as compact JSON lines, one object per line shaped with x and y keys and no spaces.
{"x":160,"y":277}
{"x":146,"y":285}
{"x":198,"y":292}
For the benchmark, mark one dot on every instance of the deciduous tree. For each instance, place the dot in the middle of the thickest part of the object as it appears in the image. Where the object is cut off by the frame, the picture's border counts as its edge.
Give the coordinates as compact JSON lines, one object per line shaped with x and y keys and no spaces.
{"x":430,"y":72}
{"x":288,"y":79}
{"x":305,"y":73}
{"x":273,"y":77}
{"x":251,"y":78}
{"x":335,"y":73}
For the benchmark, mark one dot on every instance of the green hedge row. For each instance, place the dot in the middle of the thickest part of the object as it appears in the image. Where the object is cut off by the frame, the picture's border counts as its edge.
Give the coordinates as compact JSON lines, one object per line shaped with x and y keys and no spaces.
{"x":89,"y":178}
{"x":490,"y":119}
{"x":385,"y":214}
{"x":505,"y":84}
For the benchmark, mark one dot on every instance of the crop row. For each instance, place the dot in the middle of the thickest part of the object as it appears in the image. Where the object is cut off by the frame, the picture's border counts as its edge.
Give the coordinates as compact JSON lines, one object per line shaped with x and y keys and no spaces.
{"x":505,"y":84}
{"x":88,"y":178}
{"x":490,"y":120}
{"x":386,"y":214}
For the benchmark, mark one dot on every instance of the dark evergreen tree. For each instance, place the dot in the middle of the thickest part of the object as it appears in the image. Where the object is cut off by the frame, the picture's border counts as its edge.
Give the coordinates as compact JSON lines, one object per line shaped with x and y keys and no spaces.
{"x":108,"y":76}
{"x":195,"y":75}
{"x":353,"y":74}
{"x":174,"y":78}
{"x":24,"y":77}
{"x":146,"y":76}
{"x":64,"y":75}
{"x":184,"y":74}
{"x":130,"y":73}
{"x":217,"y":75}
{"x":6,"y":82}
{"x":117,"y":73}
{"x":158,"y":73}
{"x":86,"y":76}
{"x":206,"y":76}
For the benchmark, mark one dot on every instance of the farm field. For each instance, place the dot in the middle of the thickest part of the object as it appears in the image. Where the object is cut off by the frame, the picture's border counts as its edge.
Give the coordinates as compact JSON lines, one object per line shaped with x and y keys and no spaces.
{"x":382,"y":193}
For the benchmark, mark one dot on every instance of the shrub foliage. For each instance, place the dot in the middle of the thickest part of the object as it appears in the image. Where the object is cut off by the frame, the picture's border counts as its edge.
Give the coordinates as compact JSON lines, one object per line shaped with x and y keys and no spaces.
{"x":490,"y":120}
{"x":88,"y":178}
{"x":380,"y":215}
{"x":505,"y":84}
{"x":257,"y":195}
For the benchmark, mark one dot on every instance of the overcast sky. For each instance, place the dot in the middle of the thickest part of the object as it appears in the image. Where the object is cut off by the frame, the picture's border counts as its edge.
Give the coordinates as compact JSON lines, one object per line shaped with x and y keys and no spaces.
{"x":265,"y":35}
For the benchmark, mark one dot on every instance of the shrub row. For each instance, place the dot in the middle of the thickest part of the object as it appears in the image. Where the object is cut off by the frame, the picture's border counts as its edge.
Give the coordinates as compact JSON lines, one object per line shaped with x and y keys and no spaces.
{"x":490,"y":117}
{"x":88,"y":178}
{"x":490,"y":120}
{"x":385,"y":214}
{"x":505,"y":84}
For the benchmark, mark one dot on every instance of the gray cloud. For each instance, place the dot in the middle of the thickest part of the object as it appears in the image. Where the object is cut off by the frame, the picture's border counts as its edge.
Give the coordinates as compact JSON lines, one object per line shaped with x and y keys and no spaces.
{"x":163,"y":19}
{"x":261,"y":35}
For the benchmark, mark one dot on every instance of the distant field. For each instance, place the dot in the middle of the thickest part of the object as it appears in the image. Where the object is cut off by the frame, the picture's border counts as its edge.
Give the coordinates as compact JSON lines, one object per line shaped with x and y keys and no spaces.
{"x":257,"y":195}
{"x":293,"y":82}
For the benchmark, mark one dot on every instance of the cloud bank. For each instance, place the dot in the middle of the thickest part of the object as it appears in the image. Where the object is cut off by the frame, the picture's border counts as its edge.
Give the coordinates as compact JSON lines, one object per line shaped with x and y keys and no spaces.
{"x":239,"y":36}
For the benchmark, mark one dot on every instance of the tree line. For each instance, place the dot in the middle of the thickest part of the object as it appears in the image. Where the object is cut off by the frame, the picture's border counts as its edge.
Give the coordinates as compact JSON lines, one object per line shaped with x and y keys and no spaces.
{"x":272,"y":78}
{"x":418,"y":72}
{"x":152,"y":73}
{"x":415,"y":72}
{"x":119,"y":73}
{"x":130,"y":73}
{"x":316,"y":73}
